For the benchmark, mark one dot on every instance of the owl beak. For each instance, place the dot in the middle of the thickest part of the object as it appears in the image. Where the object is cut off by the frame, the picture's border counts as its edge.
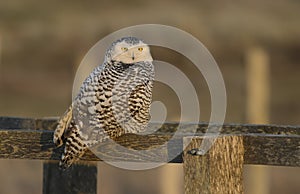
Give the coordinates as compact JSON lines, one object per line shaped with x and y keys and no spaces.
{"x":132,"y":56}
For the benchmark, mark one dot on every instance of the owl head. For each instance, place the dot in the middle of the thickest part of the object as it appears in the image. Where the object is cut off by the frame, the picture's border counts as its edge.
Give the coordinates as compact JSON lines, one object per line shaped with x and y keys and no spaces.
{"x":128,"y":50}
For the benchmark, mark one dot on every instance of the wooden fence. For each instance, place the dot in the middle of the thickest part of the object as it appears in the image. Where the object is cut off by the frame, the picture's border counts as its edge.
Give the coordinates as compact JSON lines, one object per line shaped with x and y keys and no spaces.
{"x":218,"y":171}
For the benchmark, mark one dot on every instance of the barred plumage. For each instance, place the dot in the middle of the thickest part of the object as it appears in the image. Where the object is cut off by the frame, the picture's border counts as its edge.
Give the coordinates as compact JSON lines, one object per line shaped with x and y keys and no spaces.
{"x":115,"y":99}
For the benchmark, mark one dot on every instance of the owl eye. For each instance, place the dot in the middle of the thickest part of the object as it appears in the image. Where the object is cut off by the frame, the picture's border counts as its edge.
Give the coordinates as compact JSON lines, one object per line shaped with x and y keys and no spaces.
{"x":140,"y":49}
{"x":124,"y":49}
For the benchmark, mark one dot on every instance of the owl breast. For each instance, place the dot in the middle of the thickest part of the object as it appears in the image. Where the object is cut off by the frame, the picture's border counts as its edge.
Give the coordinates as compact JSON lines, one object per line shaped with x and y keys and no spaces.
{"x":115,"y":100}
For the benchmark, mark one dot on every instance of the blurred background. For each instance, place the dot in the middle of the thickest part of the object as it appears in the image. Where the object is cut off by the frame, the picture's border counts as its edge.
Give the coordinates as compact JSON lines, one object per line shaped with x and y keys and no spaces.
{"x":42,"y":43}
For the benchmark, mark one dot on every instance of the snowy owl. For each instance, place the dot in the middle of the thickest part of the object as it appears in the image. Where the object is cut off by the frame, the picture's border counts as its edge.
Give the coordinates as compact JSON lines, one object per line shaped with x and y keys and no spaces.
{"x":113,"y":100}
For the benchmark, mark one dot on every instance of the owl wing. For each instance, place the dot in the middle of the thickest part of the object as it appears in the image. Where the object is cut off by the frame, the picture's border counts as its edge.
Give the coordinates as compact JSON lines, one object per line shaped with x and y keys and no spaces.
{"x":70,"y":125}
{"x":140,"y":101}
{"x":86,"y":113}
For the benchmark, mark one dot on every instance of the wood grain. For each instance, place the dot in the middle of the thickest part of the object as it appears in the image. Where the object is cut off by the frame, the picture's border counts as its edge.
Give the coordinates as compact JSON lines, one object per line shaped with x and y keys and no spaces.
{"x":263,"y":144}
{"x":218,"y":171}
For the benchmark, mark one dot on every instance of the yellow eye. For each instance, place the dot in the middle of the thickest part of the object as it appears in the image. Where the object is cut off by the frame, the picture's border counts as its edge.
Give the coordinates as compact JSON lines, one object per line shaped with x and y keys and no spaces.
{"x":140,"y":49}
{"x":124,"y":49}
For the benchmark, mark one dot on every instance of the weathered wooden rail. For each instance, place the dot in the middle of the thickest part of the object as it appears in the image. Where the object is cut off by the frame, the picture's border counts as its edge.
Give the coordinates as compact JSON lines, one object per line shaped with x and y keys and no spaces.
{"x":218,"y":171}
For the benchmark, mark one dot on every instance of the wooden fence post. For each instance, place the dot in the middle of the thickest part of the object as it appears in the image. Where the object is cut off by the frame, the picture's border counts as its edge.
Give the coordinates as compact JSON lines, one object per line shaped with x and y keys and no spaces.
{"x":77,"y":179}
{"x":171,"y":181}
{"x":218,"y":171}
{"x":0,"y":49}
{"x":258,"y":108}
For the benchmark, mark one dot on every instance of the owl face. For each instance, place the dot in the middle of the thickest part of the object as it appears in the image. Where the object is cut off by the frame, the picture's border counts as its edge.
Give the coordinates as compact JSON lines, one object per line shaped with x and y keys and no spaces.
{"x":130,"y":50}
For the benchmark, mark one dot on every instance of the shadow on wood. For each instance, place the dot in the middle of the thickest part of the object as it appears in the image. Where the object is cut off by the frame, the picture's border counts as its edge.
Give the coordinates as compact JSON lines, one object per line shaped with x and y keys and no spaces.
{"x":77,"y":179}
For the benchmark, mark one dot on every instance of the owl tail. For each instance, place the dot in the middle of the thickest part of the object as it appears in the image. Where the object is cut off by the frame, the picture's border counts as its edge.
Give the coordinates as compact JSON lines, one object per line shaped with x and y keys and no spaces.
{"x":63,"y":125}
{"x":74,"y":149}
